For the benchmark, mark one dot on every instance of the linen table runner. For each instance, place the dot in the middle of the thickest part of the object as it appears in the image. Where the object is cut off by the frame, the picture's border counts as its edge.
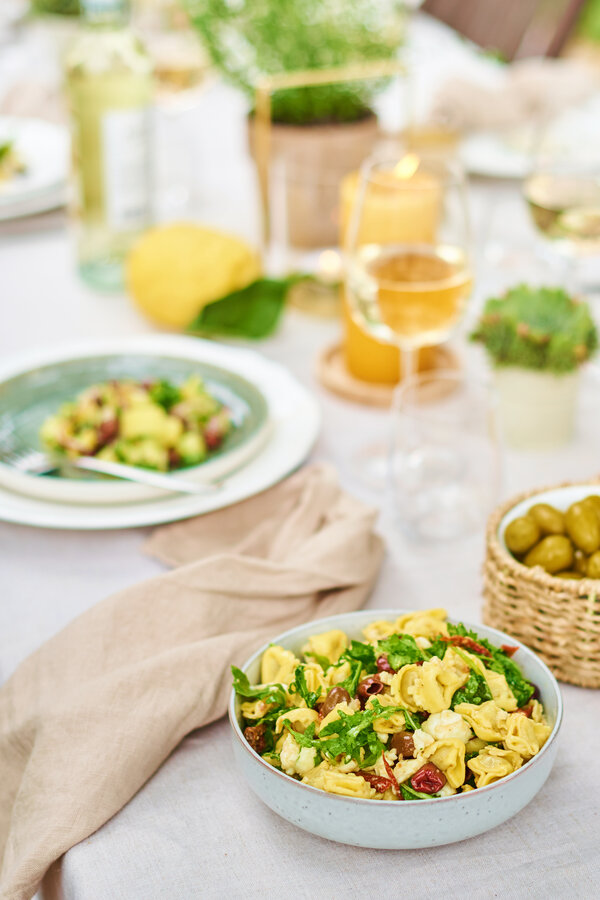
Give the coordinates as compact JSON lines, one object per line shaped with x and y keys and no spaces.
{"x":91,"y":715}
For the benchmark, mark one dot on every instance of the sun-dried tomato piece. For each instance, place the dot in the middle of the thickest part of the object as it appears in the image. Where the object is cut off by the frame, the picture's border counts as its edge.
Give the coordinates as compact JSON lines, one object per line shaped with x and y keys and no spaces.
{"x":368,"y":687}
{"x":383,"y":665}
{"x":461,"y":640}
{"x":525,"y":710}
{"x":255,"y":735}
{"x":428,"y":780}
{"x":506,"y":648}
{"x":380,"y":783}
{"x":107,"y":431}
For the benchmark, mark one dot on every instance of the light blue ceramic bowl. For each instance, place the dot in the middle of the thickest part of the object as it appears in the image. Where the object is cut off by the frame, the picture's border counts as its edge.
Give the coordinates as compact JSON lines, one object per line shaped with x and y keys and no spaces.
{"x":391,"y":825}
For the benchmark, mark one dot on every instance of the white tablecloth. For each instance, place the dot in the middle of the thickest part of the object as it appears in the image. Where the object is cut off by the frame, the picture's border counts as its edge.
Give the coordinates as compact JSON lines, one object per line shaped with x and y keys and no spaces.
{"x":196,"y":830}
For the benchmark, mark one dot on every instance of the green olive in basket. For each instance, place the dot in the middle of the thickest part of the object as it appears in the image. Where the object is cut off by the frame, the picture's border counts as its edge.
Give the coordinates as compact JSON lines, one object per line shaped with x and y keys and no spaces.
{"x":569,"y":574}
{"x":553,"y":553}
{"x":593,"y":565}
{"x":521,"y":535}
{"x":580,"y":563}
{"x":583,"y":527}
{"x":549,"y":519}
{"x":593,"y":502}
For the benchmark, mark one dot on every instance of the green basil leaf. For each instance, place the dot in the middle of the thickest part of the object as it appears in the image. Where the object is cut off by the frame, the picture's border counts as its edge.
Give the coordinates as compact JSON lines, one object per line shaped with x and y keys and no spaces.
{"x":252,"y":312}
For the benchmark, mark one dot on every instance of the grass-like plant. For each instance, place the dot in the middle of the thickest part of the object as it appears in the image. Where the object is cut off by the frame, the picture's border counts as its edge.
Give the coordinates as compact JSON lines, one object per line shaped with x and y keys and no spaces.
{"x":249,"y":38}
{"x":57,"y":7}
{"x":537,"y":328}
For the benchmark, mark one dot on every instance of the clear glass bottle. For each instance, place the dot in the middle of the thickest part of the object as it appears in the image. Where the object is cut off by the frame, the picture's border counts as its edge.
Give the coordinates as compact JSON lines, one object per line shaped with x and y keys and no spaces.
{"x":109,"y":87}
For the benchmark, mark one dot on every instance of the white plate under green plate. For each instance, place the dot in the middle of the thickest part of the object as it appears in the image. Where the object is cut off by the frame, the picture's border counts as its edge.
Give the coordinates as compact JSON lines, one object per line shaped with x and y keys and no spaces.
{"x":33,"y":392}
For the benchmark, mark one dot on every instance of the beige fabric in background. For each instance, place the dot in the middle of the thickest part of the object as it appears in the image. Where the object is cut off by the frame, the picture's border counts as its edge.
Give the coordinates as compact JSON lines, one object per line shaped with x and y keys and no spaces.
{"x":92,"y":714}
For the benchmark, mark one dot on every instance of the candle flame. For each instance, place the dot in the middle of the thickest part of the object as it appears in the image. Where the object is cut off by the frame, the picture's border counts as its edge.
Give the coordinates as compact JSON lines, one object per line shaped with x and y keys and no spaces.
{"x":407,"y":166}
{"x":329,"y":265}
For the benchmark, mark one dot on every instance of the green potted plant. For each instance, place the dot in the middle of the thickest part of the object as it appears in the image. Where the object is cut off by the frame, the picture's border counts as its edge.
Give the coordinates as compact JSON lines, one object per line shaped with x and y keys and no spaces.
{"x":537,"y":339}
{"x":323,"y":131}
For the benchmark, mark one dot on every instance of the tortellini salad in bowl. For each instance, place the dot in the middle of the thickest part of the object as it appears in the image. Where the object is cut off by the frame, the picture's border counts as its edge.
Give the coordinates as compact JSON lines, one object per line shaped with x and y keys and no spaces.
{"x":419,"y":709}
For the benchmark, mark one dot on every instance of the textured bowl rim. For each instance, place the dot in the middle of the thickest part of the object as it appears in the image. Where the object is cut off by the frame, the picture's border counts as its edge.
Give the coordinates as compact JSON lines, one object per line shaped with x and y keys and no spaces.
{"x":579,"y":587}
{"x":527,"y":766}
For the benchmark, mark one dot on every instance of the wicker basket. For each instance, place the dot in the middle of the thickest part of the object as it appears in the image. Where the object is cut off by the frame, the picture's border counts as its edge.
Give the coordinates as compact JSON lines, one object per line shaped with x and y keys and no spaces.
{"x":559,"y":619}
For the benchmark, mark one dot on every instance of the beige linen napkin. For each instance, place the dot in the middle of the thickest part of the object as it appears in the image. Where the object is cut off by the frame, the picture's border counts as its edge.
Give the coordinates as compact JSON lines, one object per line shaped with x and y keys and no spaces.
{"x":92,"y":714}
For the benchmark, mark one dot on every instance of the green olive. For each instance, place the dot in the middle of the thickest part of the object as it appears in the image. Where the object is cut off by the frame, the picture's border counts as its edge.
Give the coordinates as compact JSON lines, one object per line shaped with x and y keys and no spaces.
{"x":549,"y":519}
{"x":593,"y":565}
{"x":553,"y":553}
{"x":568,"y":574}
{"x":521,"y":535}
{"x":581,"y":562}
{"x":593,"y":502}
{"x":583,"y":527}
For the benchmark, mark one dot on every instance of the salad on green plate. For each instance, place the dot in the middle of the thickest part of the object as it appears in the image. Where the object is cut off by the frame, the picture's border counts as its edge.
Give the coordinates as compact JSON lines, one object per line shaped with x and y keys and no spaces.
{"x":153,"y":424}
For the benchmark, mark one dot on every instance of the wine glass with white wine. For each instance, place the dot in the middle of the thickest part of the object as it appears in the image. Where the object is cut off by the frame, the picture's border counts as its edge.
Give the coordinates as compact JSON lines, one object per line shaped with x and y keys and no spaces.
{"x":562,"y":190}
{"x":408,"y":271}
{"x":408,"y":267}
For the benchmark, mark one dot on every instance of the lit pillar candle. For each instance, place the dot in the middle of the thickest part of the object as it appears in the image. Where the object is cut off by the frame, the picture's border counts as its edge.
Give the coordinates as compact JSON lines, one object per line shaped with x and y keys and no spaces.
{"x":391,"y":213}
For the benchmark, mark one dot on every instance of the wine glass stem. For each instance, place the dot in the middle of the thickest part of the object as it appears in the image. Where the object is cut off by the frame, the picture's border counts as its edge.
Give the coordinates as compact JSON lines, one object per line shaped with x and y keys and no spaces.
{"x":409,"y":362}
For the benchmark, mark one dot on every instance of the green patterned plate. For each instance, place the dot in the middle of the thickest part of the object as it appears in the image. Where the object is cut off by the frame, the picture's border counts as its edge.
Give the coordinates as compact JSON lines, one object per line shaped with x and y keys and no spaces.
{"x":28,"y":396}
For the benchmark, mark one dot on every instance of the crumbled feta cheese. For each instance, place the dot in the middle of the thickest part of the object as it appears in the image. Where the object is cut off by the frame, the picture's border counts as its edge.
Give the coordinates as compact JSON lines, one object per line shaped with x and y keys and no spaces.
{"x":296,"y":760}
{"x":446,"y":791}
{"x":447,"y":724}
{"x":421,"y":740}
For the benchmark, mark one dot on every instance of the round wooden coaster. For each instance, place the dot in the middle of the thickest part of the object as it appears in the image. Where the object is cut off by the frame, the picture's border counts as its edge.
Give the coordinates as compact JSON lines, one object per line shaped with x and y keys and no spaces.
{"x":332,"y":373}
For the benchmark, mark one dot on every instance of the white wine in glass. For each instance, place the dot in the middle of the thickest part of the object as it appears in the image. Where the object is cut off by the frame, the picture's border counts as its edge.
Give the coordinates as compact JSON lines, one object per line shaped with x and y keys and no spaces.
{"x":412,"y":294}
{"x":408,"y":273}
{"x":565,"y":208}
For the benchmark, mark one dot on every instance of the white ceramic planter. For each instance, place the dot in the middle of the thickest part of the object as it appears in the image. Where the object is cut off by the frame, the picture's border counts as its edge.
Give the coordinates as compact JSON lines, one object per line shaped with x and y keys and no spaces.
{"x":537,"y":409}
{"x":389,"y":825}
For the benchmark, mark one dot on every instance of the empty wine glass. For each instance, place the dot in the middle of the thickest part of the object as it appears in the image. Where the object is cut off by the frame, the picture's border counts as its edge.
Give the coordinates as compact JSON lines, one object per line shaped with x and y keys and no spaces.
{"x":445,"y":462}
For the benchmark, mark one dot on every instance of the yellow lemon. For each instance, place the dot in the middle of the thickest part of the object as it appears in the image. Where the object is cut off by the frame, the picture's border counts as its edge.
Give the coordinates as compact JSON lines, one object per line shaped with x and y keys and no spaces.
{"x":175,"y":270}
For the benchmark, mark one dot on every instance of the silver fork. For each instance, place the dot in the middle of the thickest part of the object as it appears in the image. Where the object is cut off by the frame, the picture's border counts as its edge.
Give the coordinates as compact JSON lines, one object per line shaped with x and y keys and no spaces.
{"x":32,"y":462}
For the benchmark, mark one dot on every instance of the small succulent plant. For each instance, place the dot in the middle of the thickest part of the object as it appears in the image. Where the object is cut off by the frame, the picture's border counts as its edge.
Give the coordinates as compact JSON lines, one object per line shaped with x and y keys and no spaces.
{"x":537,"y":328}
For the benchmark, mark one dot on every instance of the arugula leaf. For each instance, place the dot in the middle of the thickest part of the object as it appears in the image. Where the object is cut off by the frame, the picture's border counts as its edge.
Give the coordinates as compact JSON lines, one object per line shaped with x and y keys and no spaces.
{"x":272,"y":693}
{"x":364,"y":653}
{"x":299,"y":686}
{"x":401,"y":650}
{"x":462,"y":631}
{"x":499,"y":662}
{"x":321,"y":660}
{"x":437,"y":648}
{"x":350,"y":683}
{"x":476,"y":691}
{"x":165,"y":394}
{"x":251,"y":312}
{"x":409,"y":793}
{"x":521,"y":688}
{"x":273,"y":758}
{"x":303,"y":739}
{"x":353,"y":736}
{"x":411,"y":720}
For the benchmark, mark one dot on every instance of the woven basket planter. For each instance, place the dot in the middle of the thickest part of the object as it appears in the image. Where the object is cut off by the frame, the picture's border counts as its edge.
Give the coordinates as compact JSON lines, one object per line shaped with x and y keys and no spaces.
{"x":559,"y":619}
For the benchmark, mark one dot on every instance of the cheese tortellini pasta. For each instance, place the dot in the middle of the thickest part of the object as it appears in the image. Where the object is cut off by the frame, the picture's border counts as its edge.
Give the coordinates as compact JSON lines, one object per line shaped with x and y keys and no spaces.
{"x":417,"y":708}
